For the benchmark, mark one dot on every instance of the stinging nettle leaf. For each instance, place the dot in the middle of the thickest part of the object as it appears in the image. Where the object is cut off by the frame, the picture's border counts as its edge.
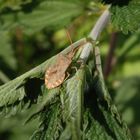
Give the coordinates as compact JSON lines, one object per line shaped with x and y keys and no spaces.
{"x":72,"y":104}
{"x":50,"y":125}
{"x":16,"y":90}
{"x":126,"y":18}
{"x":13,"y":4}
{"x":93,"y":129}
{"x":47,"y":97}
{"x":5,"y":46}
{"x":50,"y":13}
{"x":120,"y":131}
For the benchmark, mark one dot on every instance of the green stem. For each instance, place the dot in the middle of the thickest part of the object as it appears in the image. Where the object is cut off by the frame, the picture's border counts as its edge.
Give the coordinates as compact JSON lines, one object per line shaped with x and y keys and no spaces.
{"x":95,"y":32}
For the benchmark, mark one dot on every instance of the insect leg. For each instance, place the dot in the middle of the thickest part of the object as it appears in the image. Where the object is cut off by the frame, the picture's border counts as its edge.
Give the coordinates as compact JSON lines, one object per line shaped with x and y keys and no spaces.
{"x":67,"y":76}
{"x":75,"y":68}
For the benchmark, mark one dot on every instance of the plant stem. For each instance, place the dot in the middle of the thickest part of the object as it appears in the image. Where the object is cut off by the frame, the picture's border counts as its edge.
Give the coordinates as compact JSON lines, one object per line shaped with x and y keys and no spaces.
{"x":95,"y":32}
{"x":110,"y":56}
{"x":20,"y":48}
{"x":100,"y":24}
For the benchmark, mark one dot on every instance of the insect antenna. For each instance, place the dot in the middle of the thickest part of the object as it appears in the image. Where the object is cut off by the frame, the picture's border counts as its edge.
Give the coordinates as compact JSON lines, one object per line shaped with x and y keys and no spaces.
{"x":70,"y":55}
{"x":69,"y":37}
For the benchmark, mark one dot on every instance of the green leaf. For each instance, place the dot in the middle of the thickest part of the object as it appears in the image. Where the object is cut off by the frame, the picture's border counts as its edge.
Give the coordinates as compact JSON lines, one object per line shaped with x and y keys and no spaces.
{"x":103,"y":110}
{"x":13,"y":4}
{"x":17,"y":93}
{"x":51,"y":118}
{"x":129,"y":48}
{"x":120,"y":131}
{"x":21,"y":87}
{"x":95,"y":118}
{"x":101,"y":121}
{"x":126,"y":18}
{"x":56,"y":13}
{"x":50,"y":126}
{"x":76,"y":110}
{"x":5,"y":46}
{"x":93,"y":129}
{"x":14,"y":109}
{"x":47,"y":97}
{"x":72,"y":105}
{"x":50,"y":13}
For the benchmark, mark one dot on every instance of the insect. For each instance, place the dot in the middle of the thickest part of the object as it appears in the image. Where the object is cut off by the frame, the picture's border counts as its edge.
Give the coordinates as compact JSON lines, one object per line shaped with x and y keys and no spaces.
{"x":55,"y":75}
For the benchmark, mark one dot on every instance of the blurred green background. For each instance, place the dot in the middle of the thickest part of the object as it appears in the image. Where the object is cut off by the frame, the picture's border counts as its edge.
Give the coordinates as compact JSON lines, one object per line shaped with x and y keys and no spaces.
{"x":20,"y":52}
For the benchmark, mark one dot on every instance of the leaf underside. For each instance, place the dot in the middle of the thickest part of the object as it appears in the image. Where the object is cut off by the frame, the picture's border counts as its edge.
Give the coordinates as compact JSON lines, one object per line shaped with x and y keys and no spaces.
{"x":79,"y":109}
{"x":75,"y":115}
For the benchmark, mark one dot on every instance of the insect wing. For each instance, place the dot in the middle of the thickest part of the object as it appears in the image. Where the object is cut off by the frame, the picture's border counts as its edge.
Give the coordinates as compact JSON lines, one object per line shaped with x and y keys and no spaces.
{"x":55,"y":75}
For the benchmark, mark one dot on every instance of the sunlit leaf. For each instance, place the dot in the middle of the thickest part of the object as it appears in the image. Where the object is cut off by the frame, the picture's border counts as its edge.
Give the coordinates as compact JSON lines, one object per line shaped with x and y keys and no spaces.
{"x":126,"y":18}
{"x":20,"y":88}
{"x":72,"y":102}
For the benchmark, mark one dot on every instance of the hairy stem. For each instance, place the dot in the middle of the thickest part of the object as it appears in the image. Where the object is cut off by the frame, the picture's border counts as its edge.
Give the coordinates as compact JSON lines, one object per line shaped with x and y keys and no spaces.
{"x":95,"y":32}
{"x":100,"y":24}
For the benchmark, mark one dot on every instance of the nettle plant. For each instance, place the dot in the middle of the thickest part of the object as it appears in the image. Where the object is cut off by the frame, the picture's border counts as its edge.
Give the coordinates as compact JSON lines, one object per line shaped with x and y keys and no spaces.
{"x":70,"y":106}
